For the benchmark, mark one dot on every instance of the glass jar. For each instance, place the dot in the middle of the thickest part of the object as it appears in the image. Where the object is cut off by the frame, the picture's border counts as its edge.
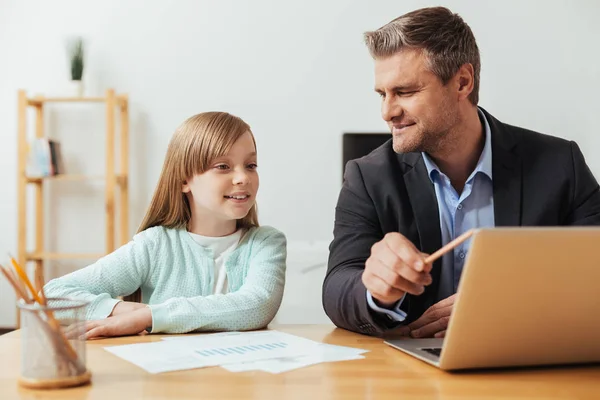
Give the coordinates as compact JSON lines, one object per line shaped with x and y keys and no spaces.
{"x":53,"y":348}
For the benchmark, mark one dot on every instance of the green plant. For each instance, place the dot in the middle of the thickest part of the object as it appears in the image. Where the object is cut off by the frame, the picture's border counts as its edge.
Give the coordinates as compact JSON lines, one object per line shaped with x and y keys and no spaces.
{"x":76,"y":58}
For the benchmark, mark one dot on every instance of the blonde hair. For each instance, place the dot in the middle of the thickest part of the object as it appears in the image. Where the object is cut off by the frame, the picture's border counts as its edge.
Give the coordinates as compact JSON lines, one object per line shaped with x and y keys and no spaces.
{"x":446,"y":40}
{"x":194,"y":145}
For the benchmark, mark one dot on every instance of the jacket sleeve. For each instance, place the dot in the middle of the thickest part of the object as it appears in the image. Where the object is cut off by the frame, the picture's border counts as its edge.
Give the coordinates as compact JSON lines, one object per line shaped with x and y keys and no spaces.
{"x":356,"y":230}
{"x":586,"y":193}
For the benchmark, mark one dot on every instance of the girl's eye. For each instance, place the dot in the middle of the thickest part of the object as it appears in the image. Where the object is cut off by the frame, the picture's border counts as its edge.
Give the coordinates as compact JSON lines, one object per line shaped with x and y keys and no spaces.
{"x":222,"y":166}
{"x":252,"y":166}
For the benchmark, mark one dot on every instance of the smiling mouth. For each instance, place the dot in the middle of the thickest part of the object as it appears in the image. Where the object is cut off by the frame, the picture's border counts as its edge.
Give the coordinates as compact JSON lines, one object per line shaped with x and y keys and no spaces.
{"x":399,"y":127}
{"x":240,"y":197}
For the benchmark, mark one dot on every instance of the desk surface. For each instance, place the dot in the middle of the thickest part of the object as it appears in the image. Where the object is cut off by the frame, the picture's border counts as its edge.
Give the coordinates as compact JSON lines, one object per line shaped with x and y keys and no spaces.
{"x":384,"y":373}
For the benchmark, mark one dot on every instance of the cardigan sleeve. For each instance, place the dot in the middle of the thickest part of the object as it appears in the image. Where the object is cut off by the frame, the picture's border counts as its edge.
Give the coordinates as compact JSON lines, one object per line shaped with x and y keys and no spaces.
{"x":119,"y":273}
{"x":253,"y":306}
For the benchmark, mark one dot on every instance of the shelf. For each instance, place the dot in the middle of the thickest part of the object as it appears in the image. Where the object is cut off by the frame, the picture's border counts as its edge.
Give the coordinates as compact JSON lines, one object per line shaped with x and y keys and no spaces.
{"x":71,"y":177}
{"x":63,"y":256}
{"x":42,"y":100}
{"x":71,"y":99}
{"x":38,"y":101}
{"x":110,"y":180}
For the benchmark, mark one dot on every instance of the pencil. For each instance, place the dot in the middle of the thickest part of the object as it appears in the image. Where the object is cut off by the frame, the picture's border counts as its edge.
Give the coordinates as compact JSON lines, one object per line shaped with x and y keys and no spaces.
{"x":51,"y":325}
{"x":449,"y":246}
{"x":25,"y":279}
{"x":9,"y":277}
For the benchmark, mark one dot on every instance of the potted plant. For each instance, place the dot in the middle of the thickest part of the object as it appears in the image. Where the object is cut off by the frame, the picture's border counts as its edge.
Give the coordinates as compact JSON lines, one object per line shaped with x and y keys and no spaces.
{"x":76,"y":60}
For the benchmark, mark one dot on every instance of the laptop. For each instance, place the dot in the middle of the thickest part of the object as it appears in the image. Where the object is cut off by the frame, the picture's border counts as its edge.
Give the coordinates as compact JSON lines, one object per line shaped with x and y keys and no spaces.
{"x":527,"y":297}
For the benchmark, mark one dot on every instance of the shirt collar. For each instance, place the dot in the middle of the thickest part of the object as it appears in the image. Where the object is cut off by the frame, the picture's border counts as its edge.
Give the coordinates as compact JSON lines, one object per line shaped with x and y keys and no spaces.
{"x":484,"y":165}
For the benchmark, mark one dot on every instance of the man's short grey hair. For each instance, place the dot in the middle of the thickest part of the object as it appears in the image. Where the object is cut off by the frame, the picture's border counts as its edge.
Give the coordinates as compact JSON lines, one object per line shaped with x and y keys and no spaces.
{"x":446,"y":40}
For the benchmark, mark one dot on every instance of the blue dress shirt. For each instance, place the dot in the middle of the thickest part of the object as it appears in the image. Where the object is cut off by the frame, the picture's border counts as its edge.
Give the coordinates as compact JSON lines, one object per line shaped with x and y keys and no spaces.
{"x":459,"y":212}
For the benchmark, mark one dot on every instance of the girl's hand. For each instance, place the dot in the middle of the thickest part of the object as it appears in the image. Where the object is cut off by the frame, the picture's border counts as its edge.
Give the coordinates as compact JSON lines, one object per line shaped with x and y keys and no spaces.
{"x":126,"y":307}
{"x":130,"y":323}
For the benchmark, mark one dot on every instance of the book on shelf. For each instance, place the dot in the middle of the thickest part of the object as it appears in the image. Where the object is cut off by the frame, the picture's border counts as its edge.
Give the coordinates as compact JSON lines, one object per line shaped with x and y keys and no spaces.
{"x":44,"y":158}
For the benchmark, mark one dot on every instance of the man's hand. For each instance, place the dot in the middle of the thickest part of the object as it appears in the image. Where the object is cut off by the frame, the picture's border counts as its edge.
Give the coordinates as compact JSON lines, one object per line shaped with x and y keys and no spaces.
{"x":130,"y":323}
{"x":434,"y":321}
{"x":126,"y":307}
{"x":394,"y":268}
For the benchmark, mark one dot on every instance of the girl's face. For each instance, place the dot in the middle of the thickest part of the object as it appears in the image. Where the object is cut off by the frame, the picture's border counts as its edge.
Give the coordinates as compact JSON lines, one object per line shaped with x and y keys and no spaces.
{"x":227,"y":190}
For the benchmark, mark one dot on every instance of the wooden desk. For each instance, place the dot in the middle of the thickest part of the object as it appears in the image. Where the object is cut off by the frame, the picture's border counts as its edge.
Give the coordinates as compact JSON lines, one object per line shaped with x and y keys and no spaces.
{"x":384,"y":373}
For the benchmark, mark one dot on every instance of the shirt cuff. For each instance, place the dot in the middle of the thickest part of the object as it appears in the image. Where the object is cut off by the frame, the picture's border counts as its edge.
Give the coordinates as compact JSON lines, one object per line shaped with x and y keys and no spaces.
{"x":104,"y":308}
{"x":395,"y":313}
{"x":160,"y":317}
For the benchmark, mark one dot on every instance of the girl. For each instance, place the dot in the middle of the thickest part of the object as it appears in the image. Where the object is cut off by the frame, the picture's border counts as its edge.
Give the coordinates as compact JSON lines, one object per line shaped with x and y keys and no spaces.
{"x":199,"y":261}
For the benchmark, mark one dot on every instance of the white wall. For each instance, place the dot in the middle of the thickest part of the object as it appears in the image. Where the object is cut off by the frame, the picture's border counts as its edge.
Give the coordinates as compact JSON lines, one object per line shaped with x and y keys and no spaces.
{"x":298,"y":73}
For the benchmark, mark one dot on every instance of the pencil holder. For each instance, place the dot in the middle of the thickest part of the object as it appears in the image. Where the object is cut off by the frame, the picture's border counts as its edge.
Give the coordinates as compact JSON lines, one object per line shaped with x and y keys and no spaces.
{"x":53,"y":351}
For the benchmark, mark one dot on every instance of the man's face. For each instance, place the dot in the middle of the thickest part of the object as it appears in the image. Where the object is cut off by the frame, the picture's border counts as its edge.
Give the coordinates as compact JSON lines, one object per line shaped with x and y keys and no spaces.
{"x":419,"y":110}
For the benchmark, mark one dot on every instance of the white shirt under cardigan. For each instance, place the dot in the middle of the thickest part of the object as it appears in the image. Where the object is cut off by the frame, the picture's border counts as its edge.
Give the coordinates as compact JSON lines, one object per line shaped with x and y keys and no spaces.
{"x":221,"y":248}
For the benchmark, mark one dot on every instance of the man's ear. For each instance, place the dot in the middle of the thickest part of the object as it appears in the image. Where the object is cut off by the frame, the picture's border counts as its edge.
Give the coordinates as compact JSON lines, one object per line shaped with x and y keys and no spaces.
{"x":185,"y":188}
{"x":466,"y":80}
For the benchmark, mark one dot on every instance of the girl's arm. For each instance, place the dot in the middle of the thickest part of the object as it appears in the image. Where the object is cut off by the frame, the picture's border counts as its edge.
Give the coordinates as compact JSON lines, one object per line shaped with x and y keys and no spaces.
{"x":117,"y":274}
{"x":253,"y":306}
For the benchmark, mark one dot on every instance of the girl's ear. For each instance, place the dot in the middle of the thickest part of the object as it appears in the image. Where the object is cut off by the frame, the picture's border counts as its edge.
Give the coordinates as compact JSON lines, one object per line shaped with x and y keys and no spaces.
{"x":185,"y":188}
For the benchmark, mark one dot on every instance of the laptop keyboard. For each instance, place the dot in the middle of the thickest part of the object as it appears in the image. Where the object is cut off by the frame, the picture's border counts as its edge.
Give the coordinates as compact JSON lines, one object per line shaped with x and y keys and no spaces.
{"x":436,"y":351}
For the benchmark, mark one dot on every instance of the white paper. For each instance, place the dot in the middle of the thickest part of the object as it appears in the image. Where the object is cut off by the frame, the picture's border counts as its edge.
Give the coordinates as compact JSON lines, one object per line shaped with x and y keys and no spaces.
{"x":269,"y":351}
{"x":244,"y":347}
{"x":158,"y":357}
{"x":323,"y":353}
{"x":209,"y":338}
{"x":291,"y":364}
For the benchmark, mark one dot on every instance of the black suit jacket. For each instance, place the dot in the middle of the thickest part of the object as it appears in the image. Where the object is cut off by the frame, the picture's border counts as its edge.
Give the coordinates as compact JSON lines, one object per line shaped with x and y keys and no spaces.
{"x":538,"y":180}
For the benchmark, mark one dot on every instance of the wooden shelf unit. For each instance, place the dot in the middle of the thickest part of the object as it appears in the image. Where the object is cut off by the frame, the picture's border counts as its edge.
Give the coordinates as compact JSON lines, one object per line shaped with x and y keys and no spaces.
{"x":62,"y":256}
{"x":114,"y":181}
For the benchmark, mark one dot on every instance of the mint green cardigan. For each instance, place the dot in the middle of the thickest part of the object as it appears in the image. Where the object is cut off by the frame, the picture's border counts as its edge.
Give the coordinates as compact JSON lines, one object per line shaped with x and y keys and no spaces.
{"x":176,"y":276}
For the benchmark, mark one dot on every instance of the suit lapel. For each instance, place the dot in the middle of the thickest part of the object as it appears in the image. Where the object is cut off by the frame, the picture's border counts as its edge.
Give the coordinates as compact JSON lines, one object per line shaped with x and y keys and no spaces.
{"x":507,"y":175}
{"x":507,"y":188}
{"x":424,"y":204}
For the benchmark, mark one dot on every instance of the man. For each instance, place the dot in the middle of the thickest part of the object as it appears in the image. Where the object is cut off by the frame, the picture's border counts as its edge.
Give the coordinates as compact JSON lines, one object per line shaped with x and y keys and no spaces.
{"x":449,"y":167}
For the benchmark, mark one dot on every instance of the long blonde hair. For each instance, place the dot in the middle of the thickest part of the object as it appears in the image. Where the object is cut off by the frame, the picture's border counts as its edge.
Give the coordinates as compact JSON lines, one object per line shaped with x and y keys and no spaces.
{"x":194,"y":145}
